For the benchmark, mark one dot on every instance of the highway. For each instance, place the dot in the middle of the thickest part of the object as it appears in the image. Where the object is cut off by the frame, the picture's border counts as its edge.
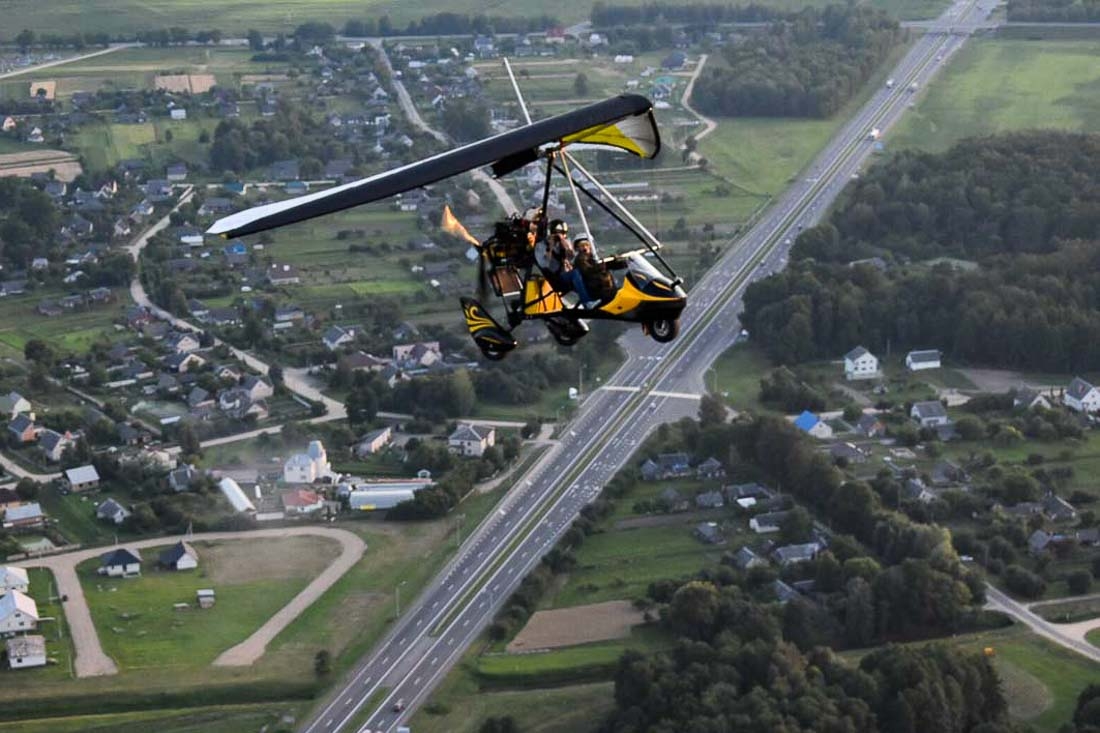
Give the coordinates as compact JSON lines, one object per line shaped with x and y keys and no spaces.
{"x":658,"y":383}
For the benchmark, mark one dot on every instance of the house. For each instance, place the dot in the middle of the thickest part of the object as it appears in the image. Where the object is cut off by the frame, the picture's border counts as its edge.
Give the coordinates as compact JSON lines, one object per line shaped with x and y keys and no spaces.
{"x":847,"y":452}
{"x":674,"y":61}
{"x":180,"y":363}
{"x":1038,"y":542}
{"x":709,"y":533}
{"x":158,"y":191}
{"x":871,"y":426}
{"x":673,"y":465}
{"x":288,"y":315}
{"x":180,"y":556}
{"x":278,"y":274}
{"x":946,"y":473}
{"x":13,"y":578}
{"x":120,"y":563}
{"x":710,"y":469}
{"x":710,"y":500}
{"x":176,"y":172}
{"x":1029,"y":399}
{"x":471,"y":440}
{"x":671,"y":500}
{"x":859,"y":363}
{"x":181,"y":478}
{"x":54,"y":444}
{"x":373,"y":442}
{"x":1089,"y":537}
{"x":769,"y":522}
{"x":82,"y":478}
{"x":205,"y":597}
{"x":26,"y":651}
{"x":23,"y":429}
{"x":337,"y":336}
{"x":417,"y":355}
{"x":930,"y":414}
{"x":178,"y":114}
{"x":746,"y":495}
{"x":305,"y":468}
{"x":18,"y":612}
{"x":13,"y":287}
{"x":112,"y":511}
{"x":916,"y":361}
{"x":258,"y":388}
{"x":215,"y":205}
{"x":301,"y":502}
{"x":1082,"y":396}
{"x":182,"y":342}
{"x":746,"y":559}
{"x":1058,"y":509}
{"x":783,"y":592}
{"x":284,"y":170}
{"x":791,"y":554}
{"x":25,"y":515}
{"x":13,"y":404}
{"x":915,"y":490}
{"x":810,"y":423}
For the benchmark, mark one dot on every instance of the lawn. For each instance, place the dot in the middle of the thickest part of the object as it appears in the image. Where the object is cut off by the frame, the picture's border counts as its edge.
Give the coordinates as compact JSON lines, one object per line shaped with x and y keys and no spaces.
{"x":1070,"y":610}
{"x":737,"y":374}
{"x":219,"y":719}
{"x":252,"y":578}
{"x":994,"y":86}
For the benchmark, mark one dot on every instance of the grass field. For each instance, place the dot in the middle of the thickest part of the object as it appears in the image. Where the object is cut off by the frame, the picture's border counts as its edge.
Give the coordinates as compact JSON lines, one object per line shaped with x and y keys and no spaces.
{"x":235,"y":16}
{"x":995,"y":86}
{"x":71,"y":331}
{"x":1070,"y":611}
{"x":253,"y":578}
{"x":220,"y":719}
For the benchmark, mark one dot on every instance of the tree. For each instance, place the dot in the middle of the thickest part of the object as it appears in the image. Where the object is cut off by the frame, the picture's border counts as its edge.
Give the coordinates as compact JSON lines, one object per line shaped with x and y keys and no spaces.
{"x":1087,"y":712}
{"x":1023,"y":582}
{"x":692,"y":611}
{"x":1079,"y":582}
{"x":580,"y":85}
{"x":25,"y":40}
{"x":322,"y":663}
{"x":712,"y":410}
{"x":466,"y":120}
{"x":28,"y":489}
{"x":255,"y":40}
{"x":168,"y":136}
{"x":503,"y":724}
{"x":796,"y":527}
{"x":38,"y":351}
{"x":189,"y":442}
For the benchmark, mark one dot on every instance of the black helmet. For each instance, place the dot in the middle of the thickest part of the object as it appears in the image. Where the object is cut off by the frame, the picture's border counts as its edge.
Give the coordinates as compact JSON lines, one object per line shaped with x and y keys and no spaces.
{"x":557,"y":226}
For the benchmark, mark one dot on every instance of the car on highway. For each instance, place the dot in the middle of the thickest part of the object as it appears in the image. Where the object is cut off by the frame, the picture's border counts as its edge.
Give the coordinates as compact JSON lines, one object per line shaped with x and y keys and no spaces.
{"x":399,"y":706}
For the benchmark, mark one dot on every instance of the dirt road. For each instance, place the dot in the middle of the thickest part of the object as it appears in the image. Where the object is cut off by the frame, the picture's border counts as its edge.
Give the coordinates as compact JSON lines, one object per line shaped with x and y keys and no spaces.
{"x":92,"y":661}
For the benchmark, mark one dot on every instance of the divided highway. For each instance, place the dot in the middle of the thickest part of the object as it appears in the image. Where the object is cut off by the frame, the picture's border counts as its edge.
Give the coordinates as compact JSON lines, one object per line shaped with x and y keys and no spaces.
{"x":658,"y":383}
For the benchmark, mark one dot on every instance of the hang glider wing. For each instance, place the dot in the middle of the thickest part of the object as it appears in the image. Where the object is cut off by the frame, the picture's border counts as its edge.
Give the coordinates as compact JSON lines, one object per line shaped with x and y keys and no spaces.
{"x":623,"y":123}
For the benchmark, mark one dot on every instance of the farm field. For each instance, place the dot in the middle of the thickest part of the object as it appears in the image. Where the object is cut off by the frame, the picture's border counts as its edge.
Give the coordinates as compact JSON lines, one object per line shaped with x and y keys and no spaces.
{"x":565,"y":627}
{"x":236,"y":16}
{"x":16,"y":160}
{"x":996,"y":86}
{"x":73,"y":331}
{"x":219,"y":719}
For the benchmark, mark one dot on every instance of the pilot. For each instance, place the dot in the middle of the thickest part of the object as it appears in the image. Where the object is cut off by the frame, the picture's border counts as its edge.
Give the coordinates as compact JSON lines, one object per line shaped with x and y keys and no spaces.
{"x":597,"y":281}
{"x":555,"y":258}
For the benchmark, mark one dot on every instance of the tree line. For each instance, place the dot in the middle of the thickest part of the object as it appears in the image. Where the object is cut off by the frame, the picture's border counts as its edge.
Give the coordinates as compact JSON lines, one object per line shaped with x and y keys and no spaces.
{"x":807,"y":64}
{"x":449,"y":24}
{"x":1022,"y":210}
{"x":1053,"y":11}
{"x":705,"y":14}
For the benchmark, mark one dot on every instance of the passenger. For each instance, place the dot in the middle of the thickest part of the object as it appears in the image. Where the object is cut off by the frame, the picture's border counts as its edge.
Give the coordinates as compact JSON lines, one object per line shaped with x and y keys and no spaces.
{"x":556,"y":260}
{"x":598,"y":282}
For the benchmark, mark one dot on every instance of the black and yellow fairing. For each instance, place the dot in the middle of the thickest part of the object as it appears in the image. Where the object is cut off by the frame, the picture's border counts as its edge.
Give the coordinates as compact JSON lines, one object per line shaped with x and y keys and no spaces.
{"x":493,"y":339}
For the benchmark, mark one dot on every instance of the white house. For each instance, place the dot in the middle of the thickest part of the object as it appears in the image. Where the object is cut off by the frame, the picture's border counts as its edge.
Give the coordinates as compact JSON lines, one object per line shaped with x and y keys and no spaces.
{"x":180,"y":556}
{"x":814,"y":425}
{"x":305,"y":468}
{"x":26,"y":651}
{"x":112,"y":511}
{"x":82,"y":478}
{"x":13,"y":578}
{"x":1082,"y":396}
{"x":13,"y":404}
{"x":472,"y":440}
{"x":374,"y":441}
{"x":120,"y":563}
{"x":859,"y":363}
{"x":929,"y":414}
{"x":18,"y":612}
{"x":916,"y":361}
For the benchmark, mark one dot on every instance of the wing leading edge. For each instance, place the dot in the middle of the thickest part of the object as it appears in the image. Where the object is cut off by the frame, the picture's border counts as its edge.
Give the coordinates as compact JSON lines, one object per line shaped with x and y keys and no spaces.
{"x":624,"y":122}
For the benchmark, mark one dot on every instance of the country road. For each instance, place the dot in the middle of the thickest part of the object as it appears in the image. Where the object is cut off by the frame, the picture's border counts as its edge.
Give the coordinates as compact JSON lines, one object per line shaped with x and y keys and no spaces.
{"x":92,"y":661}
{"x":685,"y":102}
{"x":1070,"y":636}
{"x":49,"y":64}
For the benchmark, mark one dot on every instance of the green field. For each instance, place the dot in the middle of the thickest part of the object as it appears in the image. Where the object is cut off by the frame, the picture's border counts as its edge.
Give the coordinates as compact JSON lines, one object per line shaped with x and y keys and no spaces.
{"x":995,"y":86}
{"x":139,"y":628}
{"x":235,"y":16}
{"x":71,"y":331}
{"x":220,"y":719}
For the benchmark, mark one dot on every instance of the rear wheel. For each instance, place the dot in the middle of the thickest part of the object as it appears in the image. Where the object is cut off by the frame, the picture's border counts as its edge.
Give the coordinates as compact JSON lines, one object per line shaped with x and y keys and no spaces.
{"x":664,"y":330}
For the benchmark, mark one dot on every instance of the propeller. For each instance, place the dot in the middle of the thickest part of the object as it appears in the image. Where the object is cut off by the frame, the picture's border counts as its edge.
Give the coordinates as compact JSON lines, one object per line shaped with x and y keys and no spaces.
{"x":483,"y":275}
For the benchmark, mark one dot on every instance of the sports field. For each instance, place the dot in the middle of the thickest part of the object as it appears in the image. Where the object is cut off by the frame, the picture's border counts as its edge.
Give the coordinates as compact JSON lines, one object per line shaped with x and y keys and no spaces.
{"x":996,"y":86}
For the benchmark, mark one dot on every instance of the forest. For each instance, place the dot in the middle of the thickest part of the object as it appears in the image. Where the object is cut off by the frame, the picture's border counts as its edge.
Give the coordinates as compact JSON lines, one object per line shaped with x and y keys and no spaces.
{"x":808,"y":64}
{"x":1053,"y":11}
{"x":606,"y":15}
{"x":1015,"y":215}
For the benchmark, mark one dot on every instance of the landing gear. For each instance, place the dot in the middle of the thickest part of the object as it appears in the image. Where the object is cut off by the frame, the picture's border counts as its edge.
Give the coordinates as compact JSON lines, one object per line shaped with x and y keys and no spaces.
{"x":663,"y":330}
{"x":566,"y":331}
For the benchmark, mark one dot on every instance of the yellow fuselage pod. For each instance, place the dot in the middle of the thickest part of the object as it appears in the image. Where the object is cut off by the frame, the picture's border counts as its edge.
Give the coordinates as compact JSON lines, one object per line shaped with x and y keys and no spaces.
{"x":539,"y":298}
{"x":629,"y":297}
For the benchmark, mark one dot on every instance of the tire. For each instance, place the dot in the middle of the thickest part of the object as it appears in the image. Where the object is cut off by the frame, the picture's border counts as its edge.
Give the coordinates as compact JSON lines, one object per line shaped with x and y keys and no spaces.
{"x":664,"y":330}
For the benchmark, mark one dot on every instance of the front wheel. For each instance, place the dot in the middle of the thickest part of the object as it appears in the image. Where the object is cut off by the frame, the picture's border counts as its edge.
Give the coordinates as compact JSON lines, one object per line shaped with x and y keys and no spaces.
{"x":664,"y":329}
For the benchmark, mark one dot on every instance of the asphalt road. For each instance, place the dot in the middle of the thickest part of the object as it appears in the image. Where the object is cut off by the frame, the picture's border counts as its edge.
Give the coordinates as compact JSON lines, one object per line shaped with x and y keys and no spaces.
{"x":658,"y":383}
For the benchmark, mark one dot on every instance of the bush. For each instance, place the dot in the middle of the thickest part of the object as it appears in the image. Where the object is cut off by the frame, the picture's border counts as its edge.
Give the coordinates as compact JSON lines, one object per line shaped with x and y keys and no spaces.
{"x":1023,"y":582}
{"x":1079,"y":582}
